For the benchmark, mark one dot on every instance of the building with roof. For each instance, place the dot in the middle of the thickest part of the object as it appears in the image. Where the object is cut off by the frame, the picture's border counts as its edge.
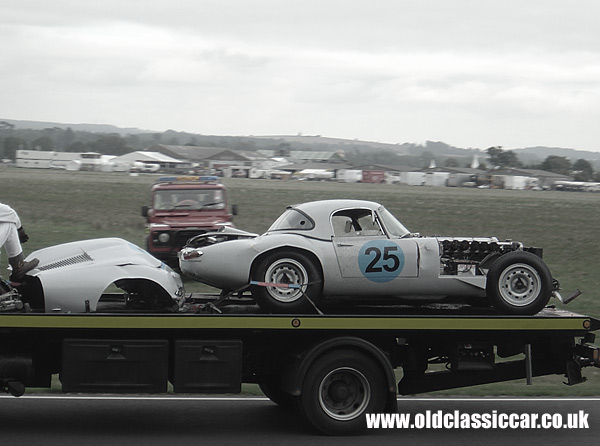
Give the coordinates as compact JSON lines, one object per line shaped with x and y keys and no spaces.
{"x":307,"y":156}
{"x":505,"y":177}
{"x":142,"y":160}
{"x":42,"y":159}
{"x":216,"y":158}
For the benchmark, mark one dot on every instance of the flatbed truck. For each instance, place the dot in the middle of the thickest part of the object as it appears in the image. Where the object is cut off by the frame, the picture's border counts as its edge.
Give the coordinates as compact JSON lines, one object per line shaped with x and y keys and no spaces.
{"x":332,"y":368}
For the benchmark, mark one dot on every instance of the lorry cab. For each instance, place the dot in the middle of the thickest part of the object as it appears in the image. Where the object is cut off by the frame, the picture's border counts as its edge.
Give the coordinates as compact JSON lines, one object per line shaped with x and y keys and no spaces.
{"x":182,"y":207}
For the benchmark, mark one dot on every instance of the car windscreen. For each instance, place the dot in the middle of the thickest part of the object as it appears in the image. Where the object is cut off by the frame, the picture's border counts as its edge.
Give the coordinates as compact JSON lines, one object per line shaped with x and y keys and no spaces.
{"x":190,"y":199}
{"x":392,"y":226}
{"x":292,"y":219}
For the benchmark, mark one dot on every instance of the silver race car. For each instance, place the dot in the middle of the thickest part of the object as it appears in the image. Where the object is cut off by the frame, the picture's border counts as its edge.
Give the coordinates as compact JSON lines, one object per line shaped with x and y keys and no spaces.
{"x":357,"y":249}
{"x":92,"y":275}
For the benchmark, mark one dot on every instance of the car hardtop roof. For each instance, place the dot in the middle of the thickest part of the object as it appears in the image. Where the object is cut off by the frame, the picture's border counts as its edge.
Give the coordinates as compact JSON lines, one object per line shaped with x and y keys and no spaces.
{"x":312,"y":208}
{"x":320,"y":212}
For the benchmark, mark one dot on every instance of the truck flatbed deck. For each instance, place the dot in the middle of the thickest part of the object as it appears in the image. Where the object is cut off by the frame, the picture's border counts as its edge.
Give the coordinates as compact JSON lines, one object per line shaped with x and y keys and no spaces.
{"x":333,"y":367}
{"x":427,"y":319}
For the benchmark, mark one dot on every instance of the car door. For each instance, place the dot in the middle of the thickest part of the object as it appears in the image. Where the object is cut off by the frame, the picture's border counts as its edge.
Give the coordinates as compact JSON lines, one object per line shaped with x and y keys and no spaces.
{"x":364,"y":251}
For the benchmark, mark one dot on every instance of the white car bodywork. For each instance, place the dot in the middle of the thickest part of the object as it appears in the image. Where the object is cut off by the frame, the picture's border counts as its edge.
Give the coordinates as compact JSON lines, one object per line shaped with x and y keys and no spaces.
{"x":73,"y":277}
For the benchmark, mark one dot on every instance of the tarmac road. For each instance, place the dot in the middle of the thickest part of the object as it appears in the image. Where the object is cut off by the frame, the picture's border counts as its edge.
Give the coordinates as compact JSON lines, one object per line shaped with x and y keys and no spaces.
{"x":98,"y":420}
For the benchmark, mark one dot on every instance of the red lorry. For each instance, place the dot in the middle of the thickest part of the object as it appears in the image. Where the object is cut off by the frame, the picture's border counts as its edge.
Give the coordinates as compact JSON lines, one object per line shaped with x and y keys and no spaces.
{"x":182,"y":207}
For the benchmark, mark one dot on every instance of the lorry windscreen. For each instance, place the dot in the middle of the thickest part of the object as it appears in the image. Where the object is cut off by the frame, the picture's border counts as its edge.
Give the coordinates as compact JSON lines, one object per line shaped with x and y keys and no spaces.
{"x":193,"y":199}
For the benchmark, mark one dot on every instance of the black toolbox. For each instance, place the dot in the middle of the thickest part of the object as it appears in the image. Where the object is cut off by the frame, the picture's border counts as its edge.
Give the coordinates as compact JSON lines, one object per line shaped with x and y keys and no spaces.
{"x":107,"y":366}
{"x":204,"y":366}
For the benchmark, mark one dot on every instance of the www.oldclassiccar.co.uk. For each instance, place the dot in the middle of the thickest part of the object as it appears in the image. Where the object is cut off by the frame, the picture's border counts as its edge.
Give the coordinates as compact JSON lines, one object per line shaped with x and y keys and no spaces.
{"x":491,"y":420}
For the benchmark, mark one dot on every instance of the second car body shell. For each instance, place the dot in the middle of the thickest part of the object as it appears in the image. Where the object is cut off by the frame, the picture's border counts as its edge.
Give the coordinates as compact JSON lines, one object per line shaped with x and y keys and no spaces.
{"x":73,"y":276}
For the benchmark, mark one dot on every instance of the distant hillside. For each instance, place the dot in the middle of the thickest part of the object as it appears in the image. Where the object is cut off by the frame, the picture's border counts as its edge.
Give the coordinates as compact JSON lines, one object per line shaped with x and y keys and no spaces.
{"x":366,"y":151}
{"x":324,"y":140}
{"x":544,"y":152}
{"x":93,"y":128}
{"x":437,"y":148}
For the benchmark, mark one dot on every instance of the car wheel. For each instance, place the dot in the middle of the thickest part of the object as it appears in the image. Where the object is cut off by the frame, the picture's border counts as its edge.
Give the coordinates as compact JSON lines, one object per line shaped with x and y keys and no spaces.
{"x":519,"y":283}
{"x":339,"y":389}
{"x":298,"y":278}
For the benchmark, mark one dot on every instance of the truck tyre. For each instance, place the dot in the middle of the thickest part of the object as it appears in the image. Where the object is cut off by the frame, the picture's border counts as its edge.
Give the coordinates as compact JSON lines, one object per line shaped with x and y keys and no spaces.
{"x":289,"y":268}
{"x":340,"y":387}
{"x":519,"y":283}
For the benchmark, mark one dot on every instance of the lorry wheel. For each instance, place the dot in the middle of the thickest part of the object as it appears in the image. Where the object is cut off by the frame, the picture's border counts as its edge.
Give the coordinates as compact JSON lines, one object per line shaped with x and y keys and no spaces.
{"x":519,"y":283}
{"x":298,"y":277}
{"x":339,"y":389}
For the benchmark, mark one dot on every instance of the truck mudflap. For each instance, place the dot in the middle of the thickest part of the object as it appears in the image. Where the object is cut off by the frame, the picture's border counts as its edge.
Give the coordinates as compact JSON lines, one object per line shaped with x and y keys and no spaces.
{"x":585,"y":354}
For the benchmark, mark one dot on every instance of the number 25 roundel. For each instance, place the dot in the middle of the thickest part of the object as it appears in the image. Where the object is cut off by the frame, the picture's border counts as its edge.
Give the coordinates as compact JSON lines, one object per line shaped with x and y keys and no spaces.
{"x":380,"y":260}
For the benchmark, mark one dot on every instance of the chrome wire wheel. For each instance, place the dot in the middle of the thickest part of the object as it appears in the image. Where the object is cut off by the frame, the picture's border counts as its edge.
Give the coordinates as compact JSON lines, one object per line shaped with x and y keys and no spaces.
{"x":519,"y":285}
{"x":344,"y":394}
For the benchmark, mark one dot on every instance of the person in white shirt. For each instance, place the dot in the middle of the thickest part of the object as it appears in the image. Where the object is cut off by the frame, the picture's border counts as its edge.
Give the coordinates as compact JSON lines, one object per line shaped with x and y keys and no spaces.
{"x":12,"y":235}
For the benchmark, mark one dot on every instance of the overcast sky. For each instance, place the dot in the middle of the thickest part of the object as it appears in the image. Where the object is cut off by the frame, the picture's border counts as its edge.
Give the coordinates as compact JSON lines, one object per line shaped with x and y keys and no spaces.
{"x":472,"y":74}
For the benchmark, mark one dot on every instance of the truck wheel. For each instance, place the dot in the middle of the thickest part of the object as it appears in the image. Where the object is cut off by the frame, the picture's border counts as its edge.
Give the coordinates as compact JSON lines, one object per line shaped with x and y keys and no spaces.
{"x":289,"y":268}
{"x":339,"y":389}
{"x":519,"y":283}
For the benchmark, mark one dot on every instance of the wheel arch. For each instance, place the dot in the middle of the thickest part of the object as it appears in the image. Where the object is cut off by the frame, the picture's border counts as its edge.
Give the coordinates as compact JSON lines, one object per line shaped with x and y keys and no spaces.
{"x":293,"y":376}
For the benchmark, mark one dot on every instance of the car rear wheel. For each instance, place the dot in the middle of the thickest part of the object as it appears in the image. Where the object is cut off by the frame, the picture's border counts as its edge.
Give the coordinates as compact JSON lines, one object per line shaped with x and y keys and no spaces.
{"x":519,"y":283}
{"x":289,"y":282}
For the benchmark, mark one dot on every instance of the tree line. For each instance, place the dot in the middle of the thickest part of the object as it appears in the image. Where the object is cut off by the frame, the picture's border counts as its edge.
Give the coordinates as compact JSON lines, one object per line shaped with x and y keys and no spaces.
{"x":580,"y":170}
{"x":69,"y":140}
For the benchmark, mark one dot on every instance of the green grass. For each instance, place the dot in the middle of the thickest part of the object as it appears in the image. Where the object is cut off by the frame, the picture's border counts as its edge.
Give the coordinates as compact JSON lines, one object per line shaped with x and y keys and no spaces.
{"x":58,"y":206}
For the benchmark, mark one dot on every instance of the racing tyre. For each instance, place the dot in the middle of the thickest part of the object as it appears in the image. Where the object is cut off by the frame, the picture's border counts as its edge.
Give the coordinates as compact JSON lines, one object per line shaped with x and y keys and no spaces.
{"x":339,"y":389}
{"x":298,"y":278}
{"x":519,"y":283}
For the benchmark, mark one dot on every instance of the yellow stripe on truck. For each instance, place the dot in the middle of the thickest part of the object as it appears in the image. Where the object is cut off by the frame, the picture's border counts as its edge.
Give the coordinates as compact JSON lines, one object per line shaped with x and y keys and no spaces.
{"x":229,"y":322}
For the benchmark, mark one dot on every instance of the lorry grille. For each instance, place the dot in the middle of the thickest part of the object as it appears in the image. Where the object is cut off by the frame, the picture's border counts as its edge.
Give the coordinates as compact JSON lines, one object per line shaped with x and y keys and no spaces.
{"x":81,"y":258}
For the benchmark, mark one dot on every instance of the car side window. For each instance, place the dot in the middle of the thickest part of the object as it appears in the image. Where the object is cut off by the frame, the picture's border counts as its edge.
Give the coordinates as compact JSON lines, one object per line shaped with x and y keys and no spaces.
{"x":355,"y":223}
{"x":292,"y":219}
{"x":342,"y":226}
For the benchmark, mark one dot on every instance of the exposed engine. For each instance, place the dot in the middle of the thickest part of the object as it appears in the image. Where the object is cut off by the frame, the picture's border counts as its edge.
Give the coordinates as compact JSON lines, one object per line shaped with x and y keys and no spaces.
{"x":472,"y":255}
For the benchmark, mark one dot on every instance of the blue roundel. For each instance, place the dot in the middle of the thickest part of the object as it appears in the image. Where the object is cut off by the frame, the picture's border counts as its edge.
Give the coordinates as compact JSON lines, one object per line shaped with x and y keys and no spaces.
{"x":380,"y":260}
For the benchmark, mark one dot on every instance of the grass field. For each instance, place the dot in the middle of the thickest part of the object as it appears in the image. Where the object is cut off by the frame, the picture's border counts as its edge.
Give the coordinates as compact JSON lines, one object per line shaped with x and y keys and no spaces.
{"x":60,"y":206}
